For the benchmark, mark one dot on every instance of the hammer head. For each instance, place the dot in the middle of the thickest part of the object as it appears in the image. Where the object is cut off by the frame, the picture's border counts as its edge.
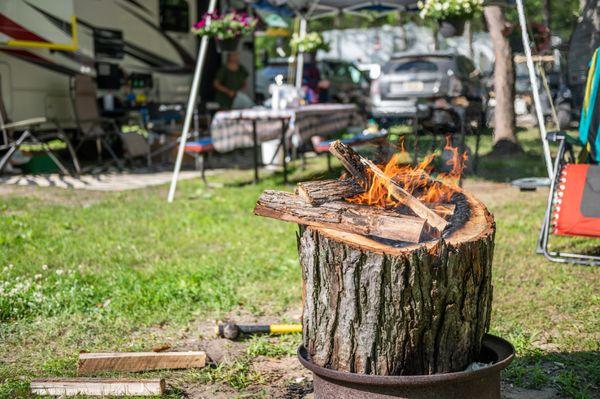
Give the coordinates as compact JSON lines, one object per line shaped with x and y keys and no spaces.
{"x":228,"y":330}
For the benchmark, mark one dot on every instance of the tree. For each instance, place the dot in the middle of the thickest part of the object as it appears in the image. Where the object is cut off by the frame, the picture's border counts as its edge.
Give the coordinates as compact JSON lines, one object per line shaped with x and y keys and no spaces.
{"x":546,"y":13}
{"x":505,"y":139}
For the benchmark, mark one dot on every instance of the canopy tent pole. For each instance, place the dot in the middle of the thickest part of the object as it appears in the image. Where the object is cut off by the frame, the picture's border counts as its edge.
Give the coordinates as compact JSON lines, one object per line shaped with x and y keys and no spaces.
{"x":190,"y":105}
{"x":300,"y":55}
{"x":534,"y":88}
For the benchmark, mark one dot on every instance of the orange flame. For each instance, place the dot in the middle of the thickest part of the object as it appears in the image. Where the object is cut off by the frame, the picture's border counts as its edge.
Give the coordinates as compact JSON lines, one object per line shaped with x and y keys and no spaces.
{"x":416,"y":180}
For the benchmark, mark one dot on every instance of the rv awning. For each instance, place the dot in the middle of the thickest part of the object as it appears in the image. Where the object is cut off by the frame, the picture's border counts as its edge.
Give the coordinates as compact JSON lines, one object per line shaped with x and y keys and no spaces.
{"x":315,"y":9}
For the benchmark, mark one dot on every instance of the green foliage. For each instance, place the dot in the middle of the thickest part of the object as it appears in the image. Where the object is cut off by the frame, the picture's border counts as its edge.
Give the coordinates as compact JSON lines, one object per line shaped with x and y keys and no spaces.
{"x":564,"y":14}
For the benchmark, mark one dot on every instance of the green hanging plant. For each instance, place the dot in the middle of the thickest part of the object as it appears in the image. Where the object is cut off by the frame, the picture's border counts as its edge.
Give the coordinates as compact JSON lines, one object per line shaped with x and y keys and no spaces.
{"x":440,"y":10}
{"x":310,"y":43}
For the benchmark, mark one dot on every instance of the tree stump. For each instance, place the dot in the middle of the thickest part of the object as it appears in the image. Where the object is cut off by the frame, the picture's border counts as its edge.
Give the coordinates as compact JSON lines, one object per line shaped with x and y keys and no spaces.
{"x":372,"y":308}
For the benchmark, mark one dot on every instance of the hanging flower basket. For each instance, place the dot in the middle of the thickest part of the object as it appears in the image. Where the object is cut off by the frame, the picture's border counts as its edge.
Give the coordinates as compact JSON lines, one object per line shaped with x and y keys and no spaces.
{"x":310,"y":43}
{"x":227,"y":29}
{"x":226,"y":45}
{"x":451,"y":15}
{"x":454,"y":26}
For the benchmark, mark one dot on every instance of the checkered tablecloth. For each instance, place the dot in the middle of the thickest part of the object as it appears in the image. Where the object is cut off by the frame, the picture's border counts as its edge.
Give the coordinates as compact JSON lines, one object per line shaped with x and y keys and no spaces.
{"x":233,"y":129}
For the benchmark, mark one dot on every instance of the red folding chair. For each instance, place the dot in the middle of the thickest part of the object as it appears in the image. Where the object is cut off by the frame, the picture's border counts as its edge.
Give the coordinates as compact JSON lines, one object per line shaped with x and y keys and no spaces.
{"x":574,"y":201}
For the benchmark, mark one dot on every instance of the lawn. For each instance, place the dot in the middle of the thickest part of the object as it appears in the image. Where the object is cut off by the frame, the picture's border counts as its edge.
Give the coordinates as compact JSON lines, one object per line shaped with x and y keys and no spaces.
{"x":125,"y":271}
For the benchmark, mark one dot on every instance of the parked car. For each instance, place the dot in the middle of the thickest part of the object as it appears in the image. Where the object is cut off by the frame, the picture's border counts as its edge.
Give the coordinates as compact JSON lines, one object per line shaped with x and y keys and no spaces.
{"x":348,"y":83}
{"x":421,"y":83}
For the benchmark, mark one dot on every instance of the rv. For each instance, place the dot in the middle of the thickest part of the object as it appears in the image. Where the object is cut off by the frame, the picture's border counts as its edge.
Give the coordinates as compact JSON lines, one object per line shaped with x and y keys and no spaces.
{"x":139,"y":48}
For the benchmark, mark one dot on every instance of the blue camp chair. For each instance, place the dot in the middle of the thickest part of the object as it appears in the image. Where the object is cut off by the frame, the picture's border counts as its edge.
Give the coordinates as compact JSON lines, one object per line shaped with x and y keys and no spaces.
{"x":574,"y":202}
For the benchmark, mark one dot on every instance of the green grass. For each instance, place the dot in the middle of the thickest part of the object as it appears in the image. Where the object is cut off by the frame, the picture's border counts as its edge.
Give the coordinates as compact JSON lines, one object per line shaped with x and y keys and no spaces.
{"x":120,"y":271}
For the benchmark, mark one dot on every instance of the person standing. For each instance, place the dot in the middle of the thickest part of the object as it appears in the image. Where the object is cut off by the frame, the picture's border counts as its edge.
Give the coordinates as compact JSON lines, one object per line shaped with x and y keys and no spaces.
{"x":231,"y":78}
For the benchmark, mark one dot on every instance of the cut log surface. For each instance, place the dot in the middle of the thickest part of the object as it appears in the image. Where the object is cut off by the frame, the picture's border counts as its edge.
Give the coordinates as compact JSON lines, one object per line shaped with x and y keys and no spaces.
{"x":375,"y":309}
{"x":90,"y":363}
{"x":97,"y":387}
{"x":342,"y":216}
{"x":323,"y":191}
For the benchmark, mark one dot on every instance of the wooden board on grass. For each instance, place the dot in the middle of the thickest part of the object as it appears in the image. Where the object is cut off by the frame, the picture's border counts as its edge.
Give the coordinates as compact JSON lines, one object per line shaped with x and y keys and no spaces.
{"x":97,"y":387}
{"x":90,"y":363}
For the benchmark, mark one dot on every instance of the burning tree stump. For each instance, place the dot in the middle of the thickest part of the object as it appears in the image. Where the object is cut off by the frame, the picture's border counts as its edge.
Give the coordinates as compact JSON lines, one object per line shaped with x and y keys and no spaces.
{"x":384,"y":301}
{"x":372,"y":308}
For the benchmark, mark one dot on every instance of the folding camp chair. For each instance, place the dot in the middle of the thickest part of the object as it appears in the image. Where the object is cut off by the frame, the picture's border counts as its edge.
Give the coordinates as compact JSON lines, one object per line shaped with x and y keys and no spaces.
{"x":93,"y":127}
{"x":27,"y":134}
{"x":574,"y":202}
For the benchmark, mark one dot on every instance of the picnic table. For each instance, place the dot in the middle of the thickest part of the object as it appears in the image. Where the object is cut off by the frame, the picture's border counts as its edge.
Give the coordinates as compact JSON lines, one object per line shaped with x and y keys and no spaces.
{"x":247,"y":128}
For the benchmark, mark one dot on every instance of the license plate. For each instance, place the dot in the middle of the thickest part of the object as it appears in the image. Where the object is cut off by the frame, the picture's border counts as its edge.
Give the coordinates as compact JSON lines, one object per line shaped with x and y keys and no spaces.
{"x":406,"y":86}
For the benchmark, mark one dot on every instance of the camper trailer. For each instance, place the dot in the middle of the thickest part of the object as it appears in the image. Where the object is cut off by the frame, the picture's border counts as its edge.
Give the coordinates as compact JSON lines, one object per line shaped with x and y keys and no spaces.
{"x":142,"y":48}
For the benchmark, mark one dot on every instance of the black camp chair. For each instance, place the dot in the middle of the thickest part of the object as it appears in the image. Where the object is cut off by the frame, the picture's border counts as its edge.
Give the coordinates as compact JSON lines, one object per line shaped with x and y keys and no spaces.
{"x":574,"y":202}
{"x":92,"y":127}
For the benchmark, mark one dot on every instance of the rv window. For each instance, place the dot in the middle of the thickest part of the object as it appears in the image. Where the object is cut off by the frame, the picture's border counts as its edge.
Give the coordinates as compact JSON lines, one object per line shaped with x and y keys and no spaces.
{"x":174,"y":15}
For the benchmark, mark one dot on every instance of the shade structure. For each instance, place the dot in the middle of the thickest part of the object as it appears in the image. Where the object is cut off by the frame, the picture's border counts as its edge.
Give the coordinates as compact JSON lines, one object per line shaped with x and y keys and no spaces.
{"x":316,"y":8}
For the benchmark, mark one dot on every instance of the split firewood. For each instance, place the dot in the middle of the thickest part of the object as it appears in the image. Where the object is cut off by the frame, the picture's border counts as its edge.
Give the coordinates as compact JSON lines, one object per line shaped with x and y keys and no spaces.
{"x":442,"y":209}
{"x":350,"y":158}
{"x":90,"y":363}
{"x":340,"y":216}
{"x":320,"y":192}
{"x":97,"y":387}
{"x":351,"y":161}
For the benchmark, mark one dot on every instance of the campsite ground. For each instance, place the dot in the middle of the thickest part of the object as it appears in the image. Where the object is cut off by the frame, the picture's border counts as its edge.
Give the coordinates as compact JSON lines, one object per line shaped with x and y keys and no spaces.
{"x":125,"y":271}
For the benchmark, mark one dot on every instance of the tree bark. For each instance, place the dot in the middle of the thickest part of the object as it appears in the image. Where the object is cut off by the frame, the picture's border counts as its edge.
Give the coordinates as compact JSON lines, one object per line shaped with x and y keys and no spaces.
{"x":341,"y":215}
{"x":504,"y":77}
{"x":372,"y":309}
{"x":546,"y":13}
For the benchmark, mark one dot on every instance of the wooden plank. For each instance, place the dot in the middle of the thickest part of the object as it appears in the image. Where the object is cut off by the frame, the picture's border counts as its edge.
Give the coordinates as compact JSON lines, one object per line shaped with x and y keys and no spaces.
{"x":322,"y":191}
{"x":97,"y":387}
{"x":138,"y":361}
{"x":351,"y":158}
{"x":341,"y":216}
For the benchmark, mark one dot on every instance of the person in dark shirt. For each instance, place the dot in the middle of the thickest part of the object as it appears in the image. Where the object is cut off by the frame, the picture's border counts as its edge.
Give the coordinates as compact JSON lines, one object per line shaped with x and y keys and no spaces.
{"x":231,"y":78}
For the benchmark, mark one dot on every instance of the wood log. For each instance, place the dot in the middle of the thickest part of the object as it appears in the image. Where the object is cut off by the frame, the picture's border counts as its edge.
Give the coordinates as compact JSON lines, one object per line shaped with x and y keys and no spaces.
{"x":322,"y":191}
{"x":97,"y":387}
{"x":351,"y":161}
{"x":319,"y":192}
{"x":90,"y":363}
{"x":372,"y":308}
{"x":351,"y":158}
{"x":342,"y":216}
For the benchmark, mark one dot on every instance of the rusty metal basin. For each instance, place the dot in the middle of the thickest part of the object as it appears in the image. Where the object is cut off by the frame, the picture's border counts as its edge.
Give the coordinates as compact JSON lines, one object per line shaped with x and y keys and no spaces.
{"x":483,"y":383}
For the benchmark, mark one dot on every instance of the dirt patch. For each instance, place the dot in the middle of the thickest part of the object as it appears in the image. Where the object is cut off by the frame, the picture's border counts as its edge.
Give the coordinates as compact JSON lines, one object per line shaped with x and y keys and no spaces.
{"x":51,"y":195}
{"x":494,"y":194}
{"x":510,"y":391}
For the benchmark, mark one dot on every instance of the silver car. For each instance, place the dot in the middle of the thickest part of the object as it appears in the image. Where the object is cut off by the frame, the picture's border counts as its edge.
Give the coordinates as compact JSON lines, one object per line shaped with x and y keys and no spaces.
{"x":421,"y":83}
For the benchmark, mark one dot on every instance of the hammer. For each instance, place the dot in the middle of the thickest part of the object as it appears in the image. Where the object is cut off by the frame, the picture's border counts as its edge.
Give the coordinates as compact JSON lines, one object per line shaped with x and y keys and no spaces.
{"x":232,"y":330}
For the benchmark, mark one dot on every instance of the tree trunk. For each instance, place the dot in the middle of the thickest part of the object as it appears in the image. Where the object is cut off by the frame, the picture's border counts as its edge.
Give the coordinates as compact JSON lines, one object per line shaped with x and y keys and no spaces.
{"x":504,"y":77}
{"x":546,"y":13}
{"x":375,"y":309}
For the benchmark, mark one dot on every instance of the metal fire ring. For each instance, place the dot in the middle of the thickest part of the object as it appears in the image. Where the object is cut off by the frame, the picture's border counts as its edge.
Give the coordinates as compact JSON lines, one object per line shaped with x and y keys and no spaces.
{"x":482,"y":383}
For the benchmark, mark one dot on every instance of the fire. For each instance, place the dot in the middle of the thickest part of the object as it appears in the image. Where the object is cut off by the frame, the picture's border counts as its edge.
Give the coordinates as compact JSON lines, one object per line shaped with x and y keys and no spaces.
{"x":415,"y":180}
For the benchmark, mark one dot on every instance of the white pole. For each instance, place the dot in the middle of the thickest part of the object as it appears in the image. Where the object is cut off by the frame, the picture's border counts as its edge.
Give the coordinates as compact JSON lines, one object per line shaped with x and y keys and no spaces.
{"x":534,"y":88}
{"x":190,"y":106}
{"x":300,"y":55}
